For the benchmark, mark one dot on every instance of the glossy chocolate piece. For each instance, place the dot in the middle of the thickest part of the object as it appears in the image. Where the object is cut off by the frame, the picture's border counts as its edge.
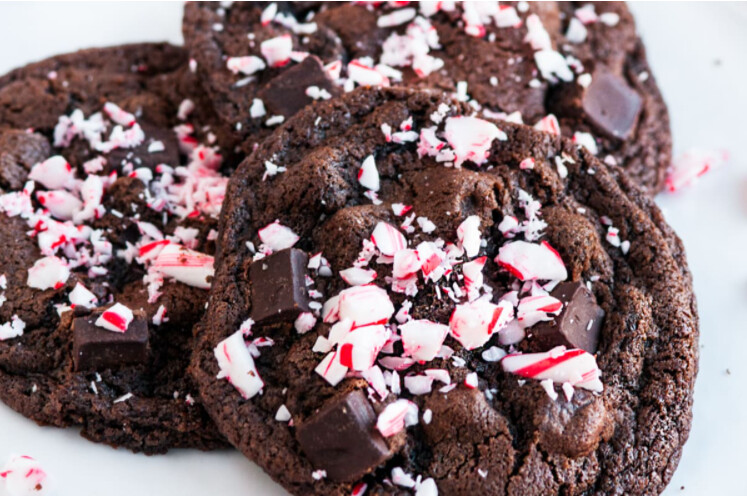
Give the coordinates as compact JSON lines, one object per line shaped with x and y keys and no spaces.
{"x":279,"y":291}
{"x":341,"y":438}
{"x":95,"y":348}
{"x":577,"y":325}
{"x":286,"y":94}
{"x":610,"y":105}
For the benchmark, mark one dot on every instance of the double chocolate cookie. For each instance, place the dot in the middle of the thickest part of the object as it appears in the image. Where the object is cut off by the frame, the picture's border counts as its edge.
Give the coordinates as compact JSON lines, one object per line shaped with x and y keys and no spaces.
{"x":411,"y":298}
{"x":110,"y":188}
{"x":574,"y":68}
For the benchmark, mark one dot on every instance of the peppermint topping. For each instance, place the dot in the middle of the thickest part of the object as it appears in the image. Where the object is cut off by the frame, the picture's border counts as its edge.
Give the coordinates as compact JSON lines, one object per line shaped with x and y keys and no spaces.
{"x":474,"y":323}
{"x":117,"y":318}
{"x":532,"y":261}
{"x":24,"y":476}
{"x":48,"y":273}
{"x":277,"y":237}
{"x":184,"y":265}
{"x":12,"y":329}
{"x":576,"y":367}
{"x":277,"y":51}
{"x":471,"y":138}
{"x":237,"y":365}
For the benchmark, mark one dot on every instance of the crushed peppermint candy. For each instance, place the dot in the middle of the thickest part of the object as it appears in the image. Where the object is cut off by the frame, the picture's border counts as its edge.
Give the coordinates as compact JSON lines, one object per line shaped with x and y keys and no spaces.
{"x":116,"y":318}
{"x":24,"y":476}
{"x":237,"y":365}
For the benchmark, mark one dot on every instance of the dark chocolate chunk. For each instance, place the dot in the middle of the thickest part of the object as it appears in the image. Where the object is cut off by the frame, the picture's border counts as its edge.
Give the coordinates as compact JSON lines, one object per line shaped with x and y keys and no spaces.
{"x":279,"y":291}
{"x":286,"y":94}
{"x":578,"y":324}
{"x":341,"y":438}
{"x":610,"y":105}
{"x":160,"y":147}
{"x":95,"y":348}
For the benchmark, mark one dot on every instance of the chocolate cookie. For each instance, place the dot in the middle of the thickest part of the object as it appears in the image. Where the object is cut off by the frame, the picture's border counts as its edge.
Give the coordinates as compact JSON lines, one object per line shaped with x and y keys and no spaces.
{"x":573,"y":68}
{"x":413,"y":298}
{"x":109,"y":195}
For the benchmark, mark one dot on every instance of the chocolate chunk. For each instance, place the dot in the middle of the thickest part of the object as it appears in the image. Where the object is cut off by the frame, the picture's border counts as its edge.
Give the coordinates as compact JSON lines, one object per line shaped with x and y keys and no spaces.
{"x":95,"y":348}
{"x":286,"y":94}
{"x":279,"y":291}
{"x":160,"y":147}
{"x":341,"y":438}
{"x":578,"y":324}
{"x":610,"y":105}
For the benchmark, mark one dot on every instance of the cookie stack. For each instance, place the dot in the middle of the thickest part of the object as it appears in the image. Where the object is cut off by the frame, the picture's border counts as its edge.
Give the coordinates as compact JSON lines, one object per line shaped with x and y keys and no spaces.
{"x":395,"y":248}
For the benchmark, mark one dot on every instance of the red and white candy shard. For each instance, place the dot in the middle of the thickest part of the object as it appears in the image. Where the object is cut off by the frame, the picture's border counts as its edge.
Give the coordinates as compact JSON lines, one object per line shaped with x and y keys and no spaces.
{"x":394,"y":417}
{"x":184,"y":265}
{"x":357,"y":276}
{"x":364,"y":305}
{"x":237,"y":365}
{"x":119,"y":115}
{"x":368,"y":174}
{"x":117,"y":318}
{"x":365,"y":75}
{"x":548,"y":124}
{"x":81,"y":296}
{"x":533,"y":309}
{"x":576,"y":367}
{"x":245,"y":65}
{"x":473,"y":278}
{"x":60,"y":203}
{"x":406,"y":264}
{"x":277,"y":51}
{"x":689,"y":166}
{"x":361,"y":346}
{"x":422,"y":339}
{"x":331,"y":369}
{"x":468,"y":234}
{"x":24,"y":476}
{"x":12,"y":329}
{"x":48,"y":272}
{"x":53,"y":173}
{"x":532,"y":261}
{"x":304,"y":322}
{"x":388,"y":239}
{"x":277,"y":237}
{"x":471,"y":138}
{"x":474,"y":323}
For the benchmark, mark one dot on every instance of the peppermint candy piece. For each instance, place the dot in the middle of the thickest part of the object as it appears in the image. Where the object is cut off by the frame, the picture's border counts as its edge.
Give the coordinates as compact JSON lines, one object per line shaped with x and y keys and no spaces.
{"x":357,"y":276}
{"x":247,"y":65}
{"x":532,"y":261}
{"x":81,"y":296}
{"x":277,"y":51}
{"x":396,"y":416}
{"x":365,"y":75}
{"x":396,"y":18}
{"x":48,"y":272}
{"x":576,"y":367}
{"x":61,"y":204}
{"x":422,"y":339}
{"x":24,"y":476}
{"x":304,"y":322}
{"x":468,"y":234}
{"x":119,"y":115}
{"x":471,"y":138}
{"x":53,"y":173}
{"x":691,"y":165}
{"x":361,"y":346}
{"x":12,"y":329}
{"x":184,"y":265}
{"x":368,"y":174}
{"x":116,"y":318}
{"x":533,"y":309}
{"x":473,"y":278}
{"x":474,"y":323}
{"x":237,"y":365}
{"x":277,"y":237}
{"x":406,"y":264}
{"x":388,"y":239}
{"x":331,"y":369}
{"x":365,"y":305}
{"x":548,"y":124}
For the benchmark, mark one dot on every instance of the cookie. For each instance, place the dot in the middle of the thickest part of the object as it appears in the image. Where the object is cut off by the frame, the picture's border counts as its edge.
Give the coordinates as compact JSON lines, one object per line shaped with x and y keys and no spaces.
{"x":413,"y":298}
{"x":110,"y":188}
{"x":573,"y":68}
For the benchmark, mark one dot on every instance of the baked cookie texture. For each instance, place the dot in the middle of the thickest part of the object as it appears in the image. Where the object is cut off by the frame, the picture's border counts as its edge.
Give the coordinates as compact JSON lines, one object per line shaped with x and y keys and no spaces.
{"x":100,"y":155}
{"x":576,"y":68}
{"x":381,"y":369}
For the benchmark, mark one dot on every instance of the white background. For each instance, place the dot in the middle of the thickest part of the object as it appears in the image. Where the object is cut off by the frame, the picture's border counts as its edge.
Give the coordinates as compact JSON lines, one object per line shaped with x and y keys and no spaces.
{"x":698,"y":53}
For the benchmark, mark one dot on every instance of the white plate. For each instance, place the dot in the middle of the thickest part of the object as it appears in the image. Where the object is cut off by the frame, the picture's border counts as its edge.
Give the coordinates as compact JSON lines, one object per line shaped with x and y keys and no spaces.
{"x":697,"y":52}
